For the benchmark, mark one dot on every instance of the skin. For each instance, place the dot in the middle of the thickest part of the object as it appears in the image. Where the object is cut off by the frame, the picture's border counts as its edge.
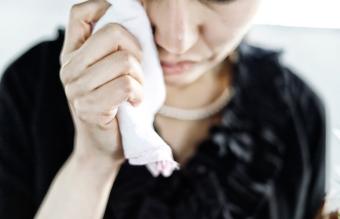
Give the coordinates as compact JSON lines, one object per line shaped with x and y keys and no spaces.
{"x":110,"y":74}
{"x":203,"y":31}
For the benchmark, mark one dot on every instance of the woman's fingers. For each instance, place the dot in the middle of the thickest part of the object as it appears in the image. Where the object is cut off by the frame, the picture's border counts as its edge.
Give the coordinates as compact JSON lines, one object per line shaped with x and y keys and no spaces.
{"x":104,"y":100}
{"x":81,"y":19}
{"x":100,"y":70}
{"x":107,"y":69}
{"x":112,"y":37}
{"x":109,"y":39}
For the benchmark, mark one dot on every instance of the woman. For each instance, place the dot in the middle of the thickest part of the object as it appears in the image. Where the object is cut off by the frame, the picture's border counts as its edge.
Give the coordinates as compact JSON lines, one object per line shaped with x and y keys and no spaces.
{"x":261,"y":155}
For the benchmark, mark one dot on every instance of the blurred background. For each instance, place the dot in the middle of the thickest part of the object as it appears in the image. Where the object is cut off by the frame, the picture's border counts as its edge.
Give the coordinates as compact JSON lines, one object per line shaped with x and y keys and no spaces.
{"x":307,"y":30}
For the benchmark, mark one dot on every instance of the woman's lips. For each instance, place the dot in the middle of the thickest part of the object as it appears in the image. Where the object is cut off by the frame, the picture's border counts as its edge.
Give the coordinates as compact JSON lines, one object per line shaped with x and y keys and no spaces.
{"x":176,"y":68}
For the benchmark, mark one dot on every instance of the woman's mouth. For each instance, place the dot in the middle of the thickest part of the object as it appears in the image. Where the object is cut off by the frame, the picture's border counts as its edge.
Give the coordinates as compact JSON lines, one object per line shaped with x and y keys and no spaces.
{"x":176,"y":68}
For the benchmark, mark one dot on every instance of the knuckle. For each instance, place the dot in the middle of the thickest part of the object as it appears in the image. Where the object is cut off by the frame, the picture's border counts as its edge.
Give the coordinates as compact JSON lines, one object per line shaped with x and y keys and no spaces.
{"x":108,"y":113}
{"x":103,"y":119}
{"x":77,"y":88}
{"x":127,"y":85}
{"x":130,"y":59}
{"x":104,"y":125}
{"x":62,"y":56}
{"x":67,"y":89}
{"x":70,"y":91}
{"x":75,"y":10}
{"x":124,"y":55}
{"x":114,"y":29}
{"x":126,"y":61}
{"x":64,"y":73}
{"x":78,"y":106}
{"x":83,"y":117}
{"x":62,"y":76}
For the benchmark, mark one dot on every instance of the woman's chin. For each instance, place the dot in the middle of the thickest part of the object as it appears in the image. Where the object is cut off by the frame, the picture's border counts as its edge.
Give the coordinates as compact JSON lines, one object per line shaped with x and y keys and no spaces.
{"x":179,"y":80}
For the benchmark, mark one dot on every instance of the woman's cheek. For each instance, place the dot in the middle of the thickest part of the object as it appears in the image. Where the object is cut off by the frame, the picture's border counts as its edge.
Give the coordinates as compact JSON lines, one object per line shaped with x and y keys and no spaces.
{"x":221,"y":33}
{"x":223,"y":37}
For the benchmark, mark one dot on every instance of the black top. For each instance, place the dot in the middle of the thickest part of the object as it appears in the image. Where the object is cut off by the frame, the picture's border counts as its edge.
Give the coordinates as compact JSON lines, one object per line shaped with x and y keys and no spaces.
{"x":266,"y":159}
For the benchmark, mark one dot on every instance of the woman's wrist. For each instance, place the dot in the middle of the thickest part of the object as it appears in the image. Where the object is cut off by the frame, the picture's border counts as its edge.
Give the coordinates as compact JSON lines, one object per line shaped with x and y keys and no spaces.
{"x":85,"y":150}
{"x":96,"y":161}
{"x":83,"y":182}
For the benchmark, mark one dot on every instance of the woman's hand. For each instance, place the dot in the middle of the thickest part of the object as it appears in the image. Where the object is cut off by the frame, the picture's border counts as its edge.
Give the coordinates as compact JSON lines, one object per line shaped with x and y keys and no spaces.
{"x":99,"y":72}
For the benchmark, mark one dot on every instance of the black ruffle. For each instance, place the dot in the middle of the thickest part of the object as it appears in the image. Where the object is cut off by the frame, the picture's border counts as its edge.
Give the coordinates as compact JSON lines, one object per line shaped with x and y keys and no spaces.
{"x":233,"y":172}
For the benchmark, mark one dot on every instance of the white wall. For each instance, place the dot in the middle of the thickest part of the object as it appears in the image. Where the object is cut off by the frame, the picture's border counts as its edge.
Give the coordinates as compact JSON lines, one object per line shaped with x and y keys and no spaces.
{"x":314,"y":53}
{"x":300,"y":13}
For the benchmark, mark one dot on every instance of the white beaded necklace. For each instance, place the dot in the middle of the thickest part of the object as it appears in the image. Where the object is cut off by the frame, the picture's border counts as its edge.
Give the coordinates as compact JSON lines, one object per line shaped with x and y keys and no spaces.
{"x":200,"y":113}
{"x":206,"y":111}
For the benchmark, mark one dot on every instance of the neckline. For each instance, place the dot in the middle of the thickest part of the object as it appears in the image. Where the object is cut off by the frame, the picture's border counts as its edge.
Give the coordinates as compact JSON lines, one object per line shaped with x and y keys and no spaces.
{"x":234,"y":80}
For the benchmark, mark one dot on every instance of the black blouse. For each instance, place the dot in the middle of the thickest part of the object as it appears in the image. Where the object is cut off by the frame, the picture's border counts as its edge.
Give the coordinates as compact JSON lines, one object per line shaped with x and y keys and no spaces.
{"x":266,"y":159}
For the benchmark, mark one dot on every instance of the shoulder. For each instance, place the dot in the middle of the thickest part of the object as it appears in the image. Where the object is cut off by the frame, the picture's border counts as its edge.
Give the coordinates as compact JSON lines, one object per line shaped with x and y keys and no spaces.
{"x":25,"y":75}
{"x":264,"y":77}
{"x":40,"y":56}
{"x":266,"y":66}
{"x":42,"y":53}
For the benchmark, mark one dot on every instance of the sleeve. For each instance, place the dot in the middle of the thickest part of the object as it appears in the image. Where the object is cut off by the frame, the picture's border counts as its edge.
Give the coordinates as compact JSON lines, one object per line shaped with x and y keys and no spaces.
{"x":309,"y":115}
{"x":16,"y":172}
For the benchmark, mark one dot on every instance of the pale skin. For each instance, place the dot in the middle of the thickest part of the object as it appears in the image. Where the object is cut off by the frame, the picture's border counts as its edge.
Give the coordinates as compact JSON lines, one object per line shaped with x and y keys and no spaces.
{"x":82,"y":186}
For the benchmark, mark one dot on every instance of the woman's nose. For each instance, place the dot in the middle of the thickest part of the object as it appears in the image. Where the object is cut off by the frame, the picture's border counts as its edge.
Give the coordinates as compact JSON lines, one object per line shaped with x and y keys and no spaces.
{"x":175,"y":28}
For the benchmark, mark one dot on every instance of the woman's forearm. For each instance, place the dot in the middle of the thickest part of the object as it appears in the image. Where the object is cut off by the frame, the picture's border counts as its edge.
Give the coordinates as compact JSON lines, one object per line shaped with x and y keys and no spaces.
{"x":80,"y":189}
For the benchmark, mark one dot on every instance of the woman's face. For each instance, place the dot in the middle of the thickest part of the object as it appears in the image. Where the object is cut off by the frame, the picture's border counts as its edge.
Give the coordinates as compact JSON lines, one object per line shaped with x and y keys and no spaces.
{"x":200,"y":31}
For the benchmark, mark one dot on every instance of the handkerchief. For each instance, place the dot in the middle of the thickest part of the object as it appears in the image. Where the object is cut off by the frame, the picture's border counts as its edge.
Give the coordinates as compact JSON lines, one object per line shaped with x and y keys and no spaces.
{"x":141,"y":143}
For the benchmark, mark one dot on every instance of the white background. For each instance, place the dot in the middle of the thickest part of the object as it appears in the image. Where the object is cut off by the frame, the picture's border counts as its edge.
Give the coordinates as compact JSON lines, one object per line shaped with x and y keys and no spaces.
{"x":312,"y":46}
{"x":27,"y":21}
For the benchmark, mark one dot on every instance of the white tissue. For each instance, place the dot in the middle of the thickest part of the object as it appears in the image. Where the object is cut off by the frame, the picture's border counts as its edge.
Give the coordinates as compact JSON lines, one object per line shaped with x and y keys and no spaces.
{"x":141,"y":144}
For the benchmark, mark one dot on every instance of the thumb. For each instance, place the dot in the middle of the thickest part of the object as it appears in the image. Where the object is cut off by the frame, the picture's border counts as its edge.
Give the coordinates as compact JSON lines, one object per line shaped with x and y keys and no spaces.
{"x":82,"y":18}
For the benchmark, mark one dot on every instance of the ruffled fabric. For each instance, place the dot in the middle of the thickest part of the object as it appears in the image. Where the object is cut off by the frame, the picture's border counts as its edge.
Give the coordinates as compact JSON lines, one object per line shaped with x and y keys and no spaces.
{"x":235,"y":170}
